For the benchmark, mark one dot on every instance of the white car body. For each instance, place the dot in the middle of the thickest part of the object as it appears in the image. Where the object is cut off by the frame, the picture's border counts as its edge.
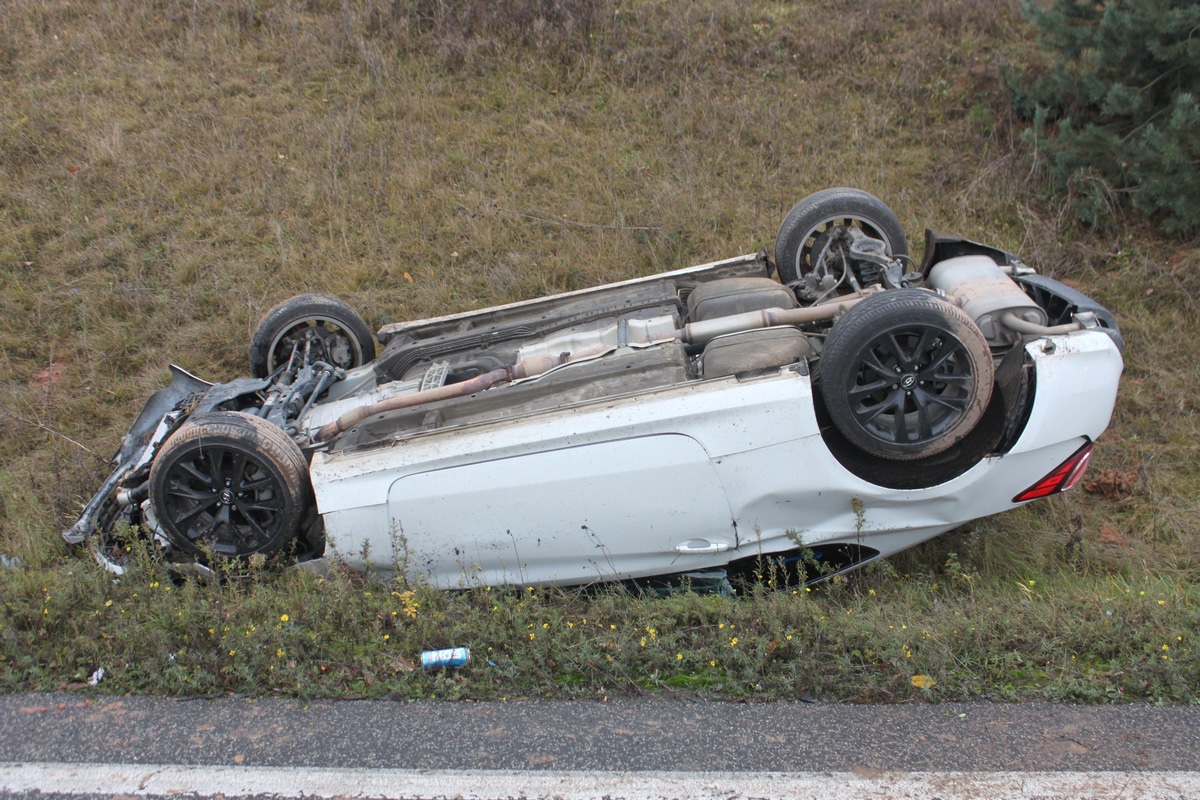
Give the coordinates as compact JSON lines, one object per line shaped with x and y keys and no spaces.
{"x":681,"y":479}
{"x":673,"y":425}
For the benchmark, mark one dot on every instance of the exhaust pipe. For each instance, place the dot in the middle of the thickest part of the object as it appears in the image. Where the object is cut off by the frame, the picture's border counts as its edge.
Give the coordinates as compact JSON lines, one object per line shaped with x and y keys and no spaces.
{"x":527,"y":368}
{"x":705,"y":331}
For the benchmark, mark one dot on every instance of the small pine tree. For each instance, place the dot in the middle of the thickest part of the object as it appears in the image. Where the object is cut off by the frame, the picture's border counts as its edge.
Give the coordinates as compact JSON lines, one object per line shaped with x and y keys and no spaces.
{"x":1118,"y":117}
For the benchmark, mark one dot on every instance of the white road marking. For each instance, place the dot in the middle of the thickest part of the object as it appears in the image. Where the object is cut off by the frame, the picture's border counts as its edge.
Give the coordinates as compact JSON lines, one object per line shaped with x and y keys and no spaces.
{"x":163,"y":779}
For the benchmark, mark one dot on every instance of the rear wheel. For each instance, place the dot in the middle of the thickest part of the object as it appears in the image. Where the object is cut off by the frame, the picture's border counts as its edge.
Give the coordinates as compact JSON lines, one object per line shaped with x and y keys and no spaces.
{"x":229,"y":484}
{"x":325,"y":327}
{"x":905,"y":375}
{"x":816,"y":220}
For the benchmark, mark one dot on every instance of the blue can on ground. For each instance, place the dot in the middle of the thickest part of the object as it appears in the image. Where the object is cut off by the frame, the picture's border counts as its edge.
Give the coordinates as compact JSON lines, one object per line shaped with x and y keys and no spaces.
{"x":450,"y":657}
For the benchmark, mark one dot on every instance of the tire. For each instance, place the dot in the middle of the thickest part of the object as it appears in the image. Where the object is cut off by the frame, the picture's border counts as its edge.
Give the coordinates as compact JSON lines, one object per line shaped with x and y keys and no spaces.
{"x":340,"y":334}
{"x":230,"y":484}
{"x":825,"y":211}
{"x":906,"y":375}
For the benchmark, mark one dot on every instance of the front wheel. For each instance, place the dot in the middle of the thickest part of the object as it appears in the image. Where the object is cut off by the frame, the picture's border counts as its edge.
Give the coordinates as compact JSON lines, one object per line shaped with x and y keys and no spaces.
{"x":229,"y":484}
{"x":905,"y":375}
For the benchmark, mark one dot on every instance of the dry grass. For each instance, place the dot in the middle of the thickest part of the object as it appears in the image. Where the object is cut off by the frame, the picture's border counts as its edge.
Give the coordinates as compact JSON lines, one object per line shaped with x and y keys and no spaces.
{"x":169,"y":169}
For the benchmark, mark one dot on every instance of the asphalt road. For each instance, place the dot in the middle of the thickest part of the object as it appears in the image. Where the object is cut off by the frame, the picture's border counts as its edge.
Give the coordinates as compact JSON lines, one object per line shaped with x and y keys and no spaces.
{"x":629,"y":737}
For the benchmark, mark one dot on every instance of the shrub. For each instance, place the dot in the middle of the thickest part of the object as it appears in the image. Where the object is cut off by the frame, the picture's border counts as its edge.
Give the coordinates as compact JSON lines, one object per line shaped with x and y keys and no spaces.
{"x":1117,"y":117}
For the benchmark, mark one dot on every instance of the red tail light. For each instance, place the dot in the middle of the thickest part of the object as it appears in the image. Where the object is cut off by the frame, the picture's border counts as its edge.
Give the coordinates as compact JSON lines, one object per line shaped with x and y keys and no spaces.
{"x":1064,"y":476}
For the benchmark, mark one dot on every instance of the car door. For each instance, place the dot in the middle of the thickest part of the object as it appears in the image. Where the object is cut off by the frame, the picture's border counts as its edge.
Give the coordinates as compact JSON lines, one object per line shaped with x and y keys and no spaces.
{"x":623,"y":508}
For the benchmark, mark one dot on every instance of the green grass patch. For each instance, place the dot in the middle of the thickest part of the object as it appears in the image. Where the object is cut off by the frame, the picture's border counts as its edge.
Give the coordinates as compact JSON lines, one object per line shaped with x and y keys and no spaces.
{"x":1056,"y":636}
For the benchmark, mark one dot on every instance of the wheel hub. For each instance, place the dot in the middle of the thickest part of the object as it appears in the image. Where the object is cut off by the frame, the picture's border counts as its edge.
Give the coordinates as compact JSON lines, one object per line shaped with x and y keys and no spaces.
{"x":226,"y":498}
{"x":908,"y":381}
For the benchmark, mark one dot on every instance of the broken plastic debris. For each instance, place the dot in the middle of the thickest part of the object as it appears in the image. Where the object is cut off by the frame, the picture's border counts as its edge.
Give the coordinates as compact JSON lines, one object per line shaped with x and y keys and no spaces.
{"x":10,"y":562}
{"x":97,"y":676}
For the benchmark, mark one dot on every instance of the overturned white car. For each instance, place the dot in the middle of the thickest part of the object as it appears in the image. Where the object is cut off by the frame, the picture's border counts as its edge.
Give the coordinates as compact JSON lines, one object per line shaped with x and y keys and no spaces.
{"x":710,"y":417}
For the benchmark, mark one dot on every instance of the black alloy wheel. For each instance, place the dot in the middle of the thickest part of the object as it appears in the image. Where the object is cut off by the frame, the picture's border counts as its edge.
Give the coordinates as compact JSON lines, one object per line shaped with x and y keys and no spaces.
{"x":906,"y":375}
{"x":229,"y":484}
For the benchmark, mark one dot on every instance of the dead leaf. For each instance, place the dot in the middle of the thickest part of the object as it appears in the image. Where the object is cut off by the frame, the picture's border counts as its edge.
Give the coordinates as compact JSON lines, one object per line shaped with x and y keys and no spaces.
{"x":923,"y":682}
{"x":1111,"y":536}
{"x":49,"y":376}
{"x":408,"y":278}
{"x":74,"y":168}
{"x":1180,"y":257}
{"x":1111,"y":483}
{"x":401,"y":664}
{"x":239,"y":758}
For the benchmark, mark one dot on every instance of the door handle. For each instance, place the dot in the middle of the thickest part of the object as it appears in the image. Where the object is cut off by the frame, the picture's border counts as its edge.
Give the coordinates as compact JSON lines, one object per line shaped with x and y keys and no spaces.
{"x":698,"y":546}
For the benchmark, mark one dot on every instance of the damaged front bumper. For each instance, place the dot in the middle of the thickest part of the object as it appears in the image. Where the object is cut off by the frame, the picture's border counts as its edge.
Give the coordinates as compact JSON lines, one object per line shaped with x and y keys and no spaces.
{"x":162,"y":414}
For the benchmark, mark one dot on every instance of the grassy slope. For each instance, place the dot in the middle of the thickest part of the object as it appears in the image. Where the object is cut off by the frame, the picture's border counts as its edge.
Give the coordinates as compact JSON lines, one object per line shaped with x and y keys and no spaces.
{"x":168,"y":171}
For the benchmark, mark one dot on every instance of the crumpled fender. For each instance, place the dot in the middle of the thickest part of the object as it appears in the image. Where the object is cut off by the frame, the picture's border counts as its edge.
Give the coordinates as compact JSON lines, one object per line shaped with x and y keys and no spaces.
{"x":134,"y":446}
